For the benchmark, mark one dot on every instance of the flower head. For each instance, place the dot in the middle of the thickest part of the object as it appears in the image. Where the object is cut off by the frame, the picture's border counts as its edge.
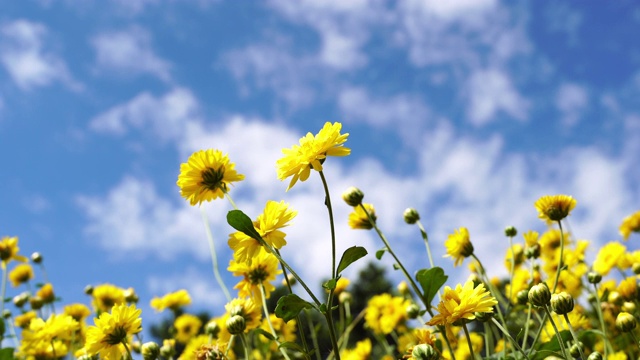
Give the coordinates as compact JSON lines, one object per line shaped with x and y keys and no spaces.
{"x":173,"y":301}
{"x":246,"y":308}
{"x":206,"y":176}
{"x":459,"y":246}
{"x":462,"y":303}
{"x":77,"y":311}
{"x":362,"y":351}
{"x":187,"y":326}
{"x":554,"y":207}
{"x":358,"y":218}
{"x":385,"y":312}
{"x":44,"y":339}
{"x":112,"y":330}
{"x":262,"y":271}
{"x":311,"y":153}
{"x":630,"y":224}
{"x":608,"y":257}
{"x":9,"y":250}
{"x":21,"y":274}
{"x":105,"y":296}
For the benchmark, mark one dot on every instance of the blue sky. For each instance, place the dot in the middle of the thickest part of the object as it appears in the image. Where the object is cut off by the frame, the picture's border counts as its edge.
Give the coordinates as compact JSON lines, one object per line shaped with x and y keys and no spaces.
{"x":467,"y":110}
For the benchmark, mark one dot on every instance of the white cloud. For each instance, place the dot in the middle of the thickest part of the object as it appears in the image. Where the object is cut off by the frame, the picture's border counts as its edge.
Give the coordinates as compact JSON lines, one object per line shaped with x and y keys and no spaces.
{"x":572,"y":100}
{"x":28,"y":60}
{"x":491,"y":91}
{"x":129,"y":52}
{"x":167,"y":115}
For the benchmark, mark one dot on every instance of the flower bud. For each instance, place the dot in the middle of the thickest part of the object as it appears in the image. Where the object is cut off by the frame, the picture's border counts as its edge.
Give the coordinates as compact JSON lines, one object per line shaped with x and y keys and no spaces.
{"x":36,"y":303}
{"x":130,"y":296}
{"x":625,"y":322}
{"x":593,"y":277}
{"x":629,"y":307}
{"x":136,"y":346}
{"x":36,"y":257}
{"x":594,"y":356}
{"x":236,"y":325}
{"x":562,"y":303}
{"x":510,"y":231}
{"x":88,"y":289}
{"x":150,"y":351}
{"x":20,"y":299}
{"x":411,"y":216}
{"x":539,"y":295}
{"x":291,"y":278}
{"x":168,"y":349}
{"x":575,"y":349}
{"x":522,"y":296}
{"x":6,"y":314}
{"x":212,"y":329}
{"x":413,"y":311}
{"x":345,"y":297}
{"x":424,"y":352}
{"x":615,"y":298}
{"x":636,"y":268}
{"x":403,"y":288}
{"x":532,"y":252}
{"x":353,"y":196}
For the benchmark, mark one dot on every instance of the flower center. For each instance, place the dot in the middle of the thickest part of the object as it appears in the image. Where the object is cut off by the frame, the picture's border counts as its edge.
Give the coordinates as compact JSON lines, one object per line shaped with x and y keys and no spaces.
{"x":118,"y":335}
{"x":257,"y":276}
{"x":212,"y":179}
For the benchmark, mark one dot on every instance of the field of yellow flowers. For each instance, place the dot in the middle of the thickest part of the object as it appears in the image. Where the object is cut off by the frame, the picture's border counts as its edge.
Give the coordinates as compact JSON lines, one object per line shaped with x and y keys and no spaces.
{"x":552,"y":305}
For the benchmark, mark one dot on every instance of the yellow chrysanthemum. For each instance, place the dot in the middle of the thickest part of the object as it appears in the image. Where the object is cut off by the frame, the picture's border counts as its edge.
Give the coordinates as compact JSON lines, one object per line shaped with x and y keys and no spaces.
{"x":628,"y":288}
{"x":362,"y":351}
{"x":459,"y":246}
{"x":620,"y":355}
{"x":105,"y":296}
{"x":462,"y":351}
{"x":531,"y":238}
{"x":21,"y":274}
{"x":187,"y":326}
{"x":275,"y":216}
{"x":42,"y":339}
{"x":173,"y":301}
{"x":554,"y":207}
{"x":23,"y":320}
{"x":385,"y":312}
{"x":358,"y":218}
{"x":46,"y":293}
{"x":248,"y":309}
{"x":516,"y":251}
{"x":263,"y":269}
{"x":341,"y":285}
{"x":311,"y":153}
{"x":630,"y":224}
{"x":521,"y":280}
{"x":112,"y":331}
{"x":206,"y":176}
{"x":77,"y":311}
{"x":9,"y":250}
{"x":462,"y":303}
{"x":608,"y":257}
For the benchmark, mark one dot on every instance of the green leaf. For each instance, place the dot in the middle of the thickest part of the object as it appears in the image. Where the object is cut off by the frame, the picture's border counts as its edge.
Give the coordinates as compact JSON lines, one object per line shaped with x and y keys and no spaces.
{"x":396,"y":267}
{"x":380,"y":252}
{"x":291,"y":345}
{"x":289,"y":306}
{"x":241,"y":222}
{"x":551,"y":347}
{"x":6,"y":354}
{"x":330,"y":284}
{"x":431,"y":281}
{"x":323,"y":308}
{"x":350,"y":256}
{"x":265,"y":333}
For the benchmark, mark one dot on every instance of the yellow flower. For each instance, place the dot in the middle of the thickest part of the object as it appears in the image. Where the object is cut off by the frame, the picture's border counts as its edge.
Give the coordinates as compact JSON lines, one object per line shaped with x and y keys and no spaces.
{"x":518,"y":251}
{"x":311,"y":153}
{"x":554,"y":207}
{"x":44,"y":339}
{"x":21,"y":274}
{"x":576,"y":318}
{"x":23,"y":320}
{"x":477,"y":343}
{"x":112,"y":331}
{"x":531,"y":238}
{"x":105,"y":296}
{"x":206,"y":176}
{"x":459,"y":246}
{"x":248,"y":309}
{"x":385,"y":312}
{"x":521,"y":279}
{"x":77,"y":311}
{"x":362,"y":351}
{"x":263,"y":269}
{"x":463,"y":303}
{"x":187,"y":326}
{"x":286,"y":331}
{"x":620,"y":355}
{"x":276,"y":215}
{"x":46,"y":293}
{"x":9,"y":250}
{"x":173,"y":301}
{"x":630,"y":224}
{"x":608,"y":257}
{"x":628,"y":288}
{"x":341,"y":285}
{"x":358,"y":218}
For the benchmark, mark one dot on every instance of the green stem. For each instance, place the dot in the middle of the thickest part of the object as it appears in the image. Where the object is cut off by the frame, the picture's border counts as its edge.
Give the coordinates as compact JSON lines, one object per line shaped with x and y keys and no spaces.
{"x":513,"y":268}
{"x":266,"y":315}
{"x":492,"y":289}
{"x":488,"y":340}
{"x":574,"y":335}
{"x":231,"y":200}
{"x":245,"y":345}
{"x":214,"y":257}
{"x":425,"y":237}
{"x":124,"y":343}
{"x":526,"y":328}
{"x":607,"y":347}
{"x":468,"y":337}
{"x":635,"y":338}
{"x":560,"y":261}
{"x":303,"y":338}
{"x":509,"y":337}
{"x":555,"y":328}
{"x":314,"y":336}
{"x":276,"y":253}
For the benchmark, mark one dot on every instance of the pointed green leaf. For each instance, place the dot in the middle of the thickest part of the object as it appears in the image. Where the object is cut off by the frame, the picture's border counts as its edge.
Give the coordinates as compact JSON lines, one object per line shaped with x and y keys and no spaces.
{"x":291,"y":345}
{"x":431,"y":281}
{"x":289,"y":306}
{"x":241,"y":222}
{"x":350,"y":256}
{"x":265,"y":333}
{"x":330,"y":284}
{"x":380,"y":252}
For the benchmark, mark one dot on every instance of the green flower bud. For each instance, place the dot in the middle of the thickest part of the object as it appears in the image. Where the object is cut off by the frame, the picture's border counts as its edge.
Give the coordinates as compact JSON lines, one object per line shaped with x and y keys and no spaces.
{"x":532,"y":252}
{"x":629,"y":307}
{"x":510,"y":231}
{"x":413,"y":311}
{"x":345,"y":297}
{"x":6,"y":314}
{"x":411,"y":216}
{"x":424,"y":352}
{"x":625,"y":322}
{"x":636,"y":268}
{"x":167,"y":350}
{"x":20,"y":299}
{"x":594,"y":356}
{"x":353,"y":196}
{"x":593,"y":277}
{"x":575,"y":349}
{"x":212,"y":329}
{"x":562,"y":303}
{"x":88,"y":289}
{"x":236,"y":325}
{"x":539,"y":295}
{"x":36,"y":257}
{"x":615,"y":298}
{"x":150,"y":351}
{"x":522,"y":296}
{"x":36,"y":303}
{"x":130,"y":296}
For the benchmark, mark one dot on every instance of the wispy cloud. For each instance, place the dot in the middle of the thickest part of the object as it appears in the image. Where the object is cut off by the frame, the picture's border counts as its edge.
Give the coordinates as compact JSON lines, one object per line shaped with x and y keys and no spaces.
{"x":572,"y":100}
{"x":491,"y":92}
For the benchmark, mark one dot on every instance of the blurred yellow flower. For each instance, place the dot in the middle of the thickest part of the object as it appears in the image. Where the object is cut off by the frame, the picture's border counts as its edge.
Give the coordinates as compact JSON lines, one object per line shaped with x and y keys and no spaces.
{"x":9,"y":250}
{"x":23,"y":320}
{"x":608,"y":257}
{"x":286,"y":331}
{"x":341,"y":285}
{"x":554,"y":207}
{"x":21,"y":274}
{"x":462,"y":351}
{"x":385,"y":312}
{"x":46,"y":293}
{"x":311,"y":153}
{"x":576,"y":318}
{"x":206,"y":176}
{"x":630,"y":224}
{"x":458,"y":245}
{"x":263,"y":269}
{"x":362,"y":351}
{"x":187,"y":326}
{"x":358,"y":218}
{"x":105,"y":296}
{"x":112,"y":331}
{"x":518,"y":251}
{"x":462,"y":303}
{"x":248,"y":309}
{"x":628,"y":288}
{"x":174,"y":301}
{"x":77,"y":311}
{"x":531,"y":238}
{"x":194,"y":344}
{"x":44,"y":339}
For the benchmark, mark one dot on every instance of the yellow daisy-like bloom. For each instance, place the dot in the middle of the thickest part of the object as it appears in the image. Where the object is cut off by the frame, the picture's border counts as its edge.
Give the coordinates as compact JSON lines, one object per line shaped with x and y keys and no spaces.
{"x":105,"y":296}
{"x":576,"y":318}
{"x":23,"y":320}
{"x":608,"y":257}
{"x":417,"y":337}
{"x":520,"y":281}
{"x":311,"y":153}
{"x":189,"y":352}
{"x":385,"y":312}
{"x":462,"y":351}
{"x":263,"y":269}
{"x":46,"y":293}
{"x":531,"y":238}
{"x":358,"y":218}
{"x":628,"y":288}
{"x":21,"y":274}
{"x":248,"y":309}
{"x":44,"y":339}
{"x":459,"y":246}
{"x":462,"y":303}
{"x":275,"y":216}
{"x":206,"y":176}
{"x":362,"y":351}
{"x":9,"y":250}
{"x":173,"y":301}
{"x":341,"y":285}
{"x":187,"y":326}
{"x":554,"y":207}
{"x":518,"y":251}
{"x":112,"y":330}
{"x":630,"y":224}
{"x":620,"y":355}
{"x":77,"y":311}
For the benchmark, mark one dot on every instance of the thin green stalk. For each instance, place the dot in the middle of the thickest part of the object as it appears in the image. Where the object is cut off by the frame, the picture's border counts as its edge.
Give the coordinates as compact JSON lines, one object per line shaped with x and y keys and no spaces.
{"x":344,"y":338}
{"x":231,"y":200}
{"x":607,"y":347}
{"x":214,"y":257}
{"x":561,"y":260}
{"x":555,"y":328}
{"x":635,"y":338}
{"x":266,"y":315}
{"x":468,"y":337}
{"x":513,"y":268}
{"x":492,"y":289}
{"x":314,"y":336}
{"x":295,"y":275}
{"x":526,"y":328}
{"x":574,"y":335}
{"x":425,"y":237}
{"x":303,"y":338}
{"x":4,"y":287}
{"x":509,"y":337}
{"x":245,"y":345}
{"x":488,"y":339}
{"x":124,"y":343}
